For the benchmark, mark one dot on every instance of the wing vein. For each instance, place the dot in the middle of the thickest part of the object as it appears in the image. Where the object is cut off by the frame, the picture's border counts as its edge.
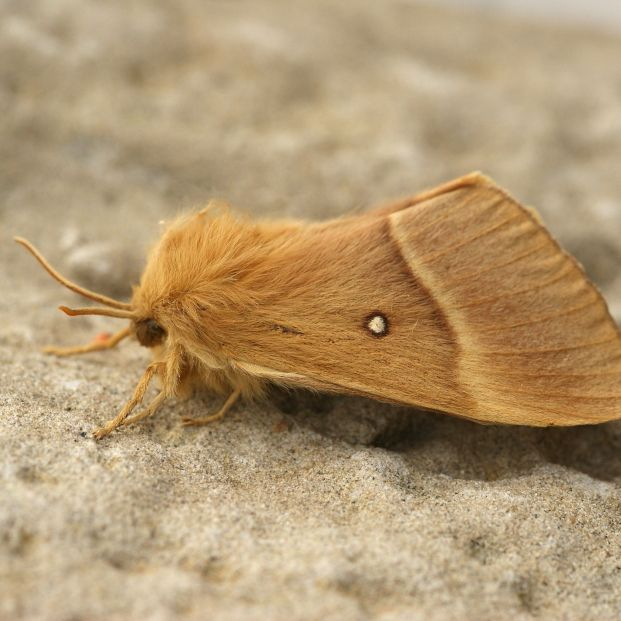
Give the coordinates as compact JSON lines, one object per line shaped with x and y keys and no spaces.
{"x":496,"y":266}
{"x":540,"y":319}
{"x":444,"y":217}
{"x":517,"y":352}
{"x":540,"y":285}
{"x":431,"y":258}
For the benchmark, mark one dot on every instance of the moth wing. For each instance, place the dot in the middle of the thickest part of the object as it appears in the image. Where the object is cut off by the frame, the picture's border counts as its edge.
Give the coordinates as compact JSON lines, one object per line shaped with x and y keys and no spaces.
{"x":487,"y":317}
{"x":537,"y":343}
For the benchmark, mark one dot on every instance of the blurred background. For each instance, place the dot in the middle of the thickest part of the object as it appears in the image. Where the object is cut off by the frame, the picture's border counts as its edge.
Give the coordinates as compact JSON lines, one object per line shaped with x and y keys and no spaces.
{"x":115,"y":115}
{"x":118,"y":114}
{"x":601,"y":13}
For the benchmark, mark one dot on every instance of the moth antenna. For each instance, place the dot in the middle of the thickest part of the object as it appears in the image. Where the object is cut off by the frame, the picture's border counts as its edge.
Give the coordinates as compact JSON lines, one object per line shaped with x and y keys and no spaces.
{"x":98,"y":310}
{"x":91,"y":295}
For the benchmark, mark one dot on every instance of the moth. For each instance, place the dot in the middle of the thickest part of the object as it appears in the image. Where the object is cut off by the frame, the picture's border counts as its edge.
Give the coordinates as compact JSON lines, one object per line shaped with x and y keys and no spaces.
{"x":455,"y":300}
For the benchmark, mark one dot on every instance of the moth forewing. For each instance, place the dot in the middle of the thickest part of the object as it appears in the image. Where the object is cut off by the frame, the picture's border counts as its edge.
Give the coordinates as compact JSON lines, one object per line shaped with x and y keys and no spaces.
{"x":489,"y":318}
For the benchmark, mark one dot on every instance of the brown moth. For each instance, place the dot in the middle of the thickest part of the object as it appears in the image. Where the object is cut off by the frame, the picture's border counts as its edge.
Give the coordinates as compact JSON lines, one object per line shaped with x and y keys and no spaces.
{"x":456,"y":300}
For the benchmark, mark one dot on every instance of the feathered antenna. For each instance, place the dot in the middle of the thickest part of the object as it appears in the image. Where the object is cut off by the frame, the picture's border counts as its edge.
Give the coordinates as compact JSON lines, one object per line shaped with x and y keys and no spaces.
{"x":124,"y":308}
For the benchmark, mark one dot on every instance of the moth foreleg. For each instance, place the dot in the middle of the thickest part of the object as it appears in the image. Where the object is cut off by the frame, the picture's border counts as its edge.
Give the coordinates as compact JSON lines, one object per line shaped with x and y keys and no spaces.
{"x":96,"y":345}
{"x":228,"y":404}
{"x":148,"y":411}
{"x":136,"y":399}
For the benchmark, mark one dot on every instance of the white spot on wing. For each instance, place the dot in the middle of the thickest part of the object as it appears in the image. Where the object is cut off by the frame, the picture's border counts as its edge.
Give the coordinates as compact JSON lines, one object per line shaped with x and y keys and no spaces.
{"x":377,"y":325}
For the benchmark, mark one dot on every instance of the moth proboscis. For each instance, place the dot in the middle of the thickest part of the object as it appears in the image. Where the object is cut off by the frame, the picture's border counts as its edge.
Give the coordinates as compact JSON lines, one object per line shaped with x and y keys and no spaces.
{"x":456,"y":300}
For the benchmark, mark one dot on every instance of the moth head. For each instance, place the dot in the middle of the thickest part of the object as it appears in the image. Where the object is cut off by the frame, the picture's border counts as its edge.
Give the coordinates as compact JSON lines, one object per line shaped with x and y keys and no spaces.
{"x":147,"y":330}
{"x":149,"y":314}
{"x":167,"y":308}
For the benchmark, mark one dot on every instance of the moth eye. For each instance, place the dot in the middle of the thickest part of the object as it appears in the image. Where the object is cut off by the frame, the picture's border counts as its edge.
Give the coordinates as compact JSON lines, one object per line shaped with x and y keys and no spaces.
{"x":377,"y":324}
{"x":149,"y":333}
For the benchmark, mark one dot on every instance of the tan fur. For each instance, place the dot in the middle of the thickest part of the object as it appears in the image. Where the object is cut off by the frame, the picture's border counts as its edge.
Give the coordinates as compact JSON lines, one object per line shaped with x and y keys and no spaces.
{"x":487,"y":318}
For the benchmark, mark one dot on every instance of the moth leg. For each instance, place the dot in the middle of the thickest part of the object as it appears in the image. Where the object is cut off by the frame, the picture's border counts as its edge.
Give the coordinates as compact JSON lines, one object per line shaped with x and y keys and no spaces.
{"x":148,"y":411}
{"x":136,"y":399}
{"x":95,"y":345}
{"x":228,"y":404}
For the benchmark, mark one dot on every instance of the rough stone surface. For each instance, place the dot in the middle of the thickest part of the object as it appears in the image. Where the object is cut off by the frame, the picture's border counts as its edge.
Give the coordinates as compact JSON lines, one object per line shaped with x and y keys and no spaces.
{"x":118,"y":114}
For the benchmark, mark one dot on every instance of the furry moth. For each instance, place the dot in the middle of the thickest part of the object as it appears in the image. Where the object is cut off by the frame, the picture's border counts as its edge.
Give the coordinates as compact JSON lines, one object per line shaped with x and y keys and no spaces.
{"x":456,"y":300}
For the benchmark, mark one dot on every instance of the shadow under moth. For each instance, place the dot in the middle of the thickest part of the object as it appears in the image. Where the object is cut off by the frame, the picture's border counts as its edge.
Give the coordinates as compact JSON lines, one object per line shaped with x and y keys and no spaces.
{"x":456,"y":300}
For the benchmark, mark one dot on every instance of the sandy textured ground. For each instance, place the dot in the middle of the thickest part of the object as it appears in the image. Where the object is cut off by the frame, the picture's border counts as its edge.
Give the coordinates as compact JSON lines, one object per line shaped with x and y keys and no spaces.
{"x":118,"y":114}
